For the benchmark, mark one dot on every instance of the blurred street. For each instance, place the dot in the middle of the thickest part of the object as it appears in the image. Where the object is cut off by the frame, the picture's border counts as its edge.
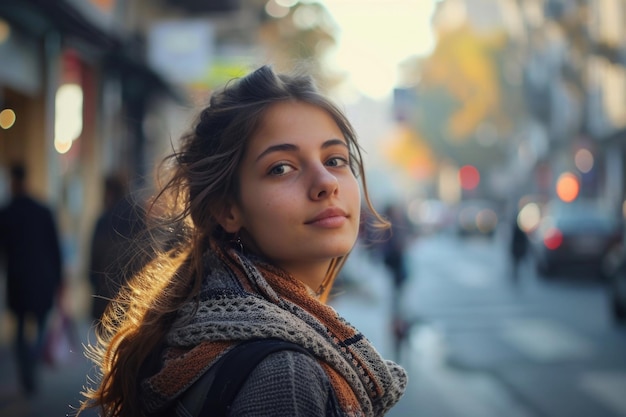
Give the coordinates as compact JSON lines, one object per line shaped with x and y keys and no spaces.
{"x":59,"y":386}
{"x":481,"y":345}
{"x":496,"y":111}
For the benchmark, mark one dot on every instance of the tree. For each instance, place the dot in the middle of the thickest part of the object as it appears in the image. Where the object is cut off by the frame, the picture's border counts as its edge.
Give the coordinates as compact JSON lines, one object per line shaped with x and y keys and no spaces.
{"x":301,"y":38}
{"x":467,"y":106}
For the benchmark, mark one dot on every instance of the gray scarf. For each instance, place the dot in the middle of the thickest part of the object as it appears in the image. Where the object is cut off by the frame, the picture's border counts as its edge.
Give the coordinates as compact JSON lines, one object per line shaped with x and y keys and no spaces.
{"x":245,"y":299}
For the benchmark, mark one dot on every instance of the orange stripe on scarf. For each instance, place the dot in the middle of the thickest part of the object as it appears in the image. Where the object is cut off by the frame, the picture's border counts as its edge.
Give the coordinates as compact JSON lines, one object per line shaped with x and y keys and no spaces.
{"x":188,"y":366}
{"x":292,"y":290}
{"x":345,"y":395}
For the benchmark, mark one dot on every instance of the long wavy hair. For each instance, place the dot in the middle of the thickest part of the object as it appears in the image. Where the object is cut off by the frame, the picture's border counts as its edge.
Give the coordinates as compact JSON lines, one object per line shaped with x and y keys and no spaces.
{"x":200,"y":178}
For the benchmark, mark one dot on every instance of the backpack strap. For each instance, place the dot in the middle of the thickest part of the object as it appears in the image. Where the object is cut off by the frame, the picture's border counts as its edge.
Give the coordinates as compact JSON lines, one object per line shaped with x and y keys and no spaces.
{"x":215,"y":391}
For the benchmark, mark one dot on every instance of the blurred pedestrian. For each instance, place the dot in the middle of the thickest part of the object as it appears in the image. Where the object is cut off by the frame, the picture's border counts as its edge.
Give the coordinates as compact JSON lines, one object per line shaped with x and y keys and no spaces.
{"x":518,"y":248}
{"x":394,"y":257}
{"x":30,"y":243}
{"x":265,"y":184}
{"x":114,"y":255}
{"x":394,"y":248}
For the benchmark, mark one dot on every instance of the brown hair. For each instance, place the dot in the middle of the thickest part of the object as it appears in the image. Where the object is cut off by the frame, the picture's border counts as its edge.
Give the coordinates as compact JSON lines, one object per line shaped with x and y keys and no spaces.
{"x":203,"y":178}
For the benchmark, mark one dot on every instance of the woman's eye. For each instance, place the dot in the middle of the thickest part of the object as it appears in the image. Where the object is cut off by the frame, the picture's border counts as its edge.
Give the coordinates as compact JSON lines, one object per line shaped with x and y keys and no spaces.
{"x":280,"y":169}
{"x":337,"y":161}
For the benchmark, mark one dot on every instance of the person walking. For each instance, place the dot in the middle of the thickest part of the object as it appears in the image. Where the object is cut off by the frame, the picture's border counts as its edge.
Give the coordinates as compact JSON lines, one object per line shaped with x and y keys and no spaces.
{"x":394,"y":258}
{"x":518,"y":248}
{"x":265,"y":206}
{"x":30,"y":244}
{"x":114,"y":256}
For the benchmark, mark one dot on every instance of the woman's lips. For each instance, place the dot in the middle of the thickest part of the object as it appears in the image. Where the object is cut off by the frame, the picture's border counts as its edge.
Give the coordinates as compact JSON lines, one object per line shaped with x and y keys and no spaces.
{"x":330,"y":217}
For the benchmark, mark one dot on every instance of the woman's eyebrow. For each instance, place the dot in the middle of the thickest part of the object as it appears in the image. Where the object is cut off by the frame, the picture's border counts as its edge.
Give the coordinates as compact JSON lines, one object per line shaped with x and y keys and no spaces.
{"x":278,"y":148}
{"x":333,"y":142}
{"x":281,"y":147}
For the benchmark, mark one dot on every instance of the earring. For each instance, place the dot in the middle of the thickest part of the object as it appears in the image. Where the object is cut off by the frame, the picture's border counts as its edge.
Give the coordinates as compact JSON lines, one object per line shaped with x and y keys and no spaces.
{"x":238,"y":243}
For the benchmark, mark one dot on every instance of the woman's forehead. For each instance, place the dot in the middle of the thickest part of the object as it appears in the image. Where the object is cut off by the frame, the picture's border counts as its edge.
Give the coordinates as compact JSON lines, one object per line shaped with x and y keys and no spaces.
{"x":296,"y":120}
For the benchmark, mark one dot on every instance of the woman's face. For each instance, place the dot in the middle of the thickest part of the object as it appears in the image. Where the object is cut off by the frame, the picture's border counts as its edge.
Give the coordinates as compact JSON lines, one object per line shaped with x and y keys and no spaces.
{"x":300,"y":202}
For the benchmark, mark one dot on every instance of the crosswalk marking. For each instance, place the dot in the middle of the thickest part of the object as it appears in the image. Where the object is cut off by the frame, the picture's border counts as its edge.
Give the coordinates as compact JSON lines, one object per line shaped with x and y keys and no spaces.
{"x":607,"y":387}
{"x":468,"y":394}
{"x":474,"y":273}
{"x":546,"y":340}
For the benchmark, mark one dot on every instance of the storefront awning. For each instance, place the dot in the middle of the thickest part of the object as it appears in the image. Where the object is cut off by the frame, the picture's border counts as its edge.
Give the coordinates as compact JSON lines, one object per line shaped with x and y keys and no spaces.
{"x":41,"y":17}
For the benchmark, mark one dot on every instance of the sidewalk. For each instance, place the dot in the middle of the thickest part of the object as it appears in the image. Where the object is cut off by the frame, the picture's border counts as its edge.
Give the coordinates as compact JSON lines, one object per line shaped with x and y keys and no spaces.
{"x":59,"y":386}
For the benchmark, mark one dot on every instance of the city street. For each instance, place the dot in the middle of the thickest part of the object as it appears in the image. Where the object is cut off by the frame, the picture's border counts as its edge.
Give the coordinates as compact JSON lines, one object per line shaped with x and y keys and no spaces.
{"x":484,"y":345}
{"x":125,"y":120}
{"x":480,"y":346}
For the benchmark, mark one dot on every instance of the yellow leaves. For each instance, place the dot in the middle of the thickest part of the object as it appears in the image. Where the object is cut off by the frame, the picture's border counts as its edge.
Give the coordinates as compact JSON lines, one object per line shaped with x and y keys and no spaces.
{"x":462,"y":63}
{"x":405,"y":148}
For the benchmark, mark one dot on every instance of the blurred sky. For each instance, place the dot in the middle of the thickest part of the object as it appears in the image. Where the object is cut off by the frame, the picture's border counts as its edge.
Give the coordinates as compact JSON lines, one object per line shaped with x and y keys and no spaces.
{"x":376,"y":35}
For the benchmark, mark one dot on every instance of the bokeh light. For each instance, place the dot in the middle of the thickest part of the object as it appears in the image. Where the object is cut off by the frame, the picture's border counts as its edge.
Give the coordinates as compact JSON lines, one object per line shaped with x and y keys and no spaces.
{"x":68,"y":123}
{"x":584,"y":160}
{"x":286,"y":3}
{"x":529,"y":217}
{"x":5,"y":30}
{"x":486,"y":220}
{"x":469,"y":177}
{"x":448,"y":184}
{"x":276,"y":10}
{"x":306,"y":17}
{"x":567,"y":187}
{"x":552,"y":238}
{"x":7,"y":118}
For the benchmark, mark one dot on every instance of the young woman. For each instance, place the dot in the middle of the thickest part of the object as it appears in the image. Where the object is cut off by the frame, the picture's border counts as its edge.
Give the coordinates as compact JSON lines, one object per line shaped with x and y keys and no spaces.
{"x":263,"y":206}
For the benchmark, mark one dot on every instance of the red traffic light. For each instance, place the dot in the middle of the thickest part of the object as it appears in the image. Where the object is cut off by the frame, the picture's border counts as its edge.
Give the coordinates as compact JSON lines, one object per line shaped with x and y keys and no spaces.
{"x":469,"y":177}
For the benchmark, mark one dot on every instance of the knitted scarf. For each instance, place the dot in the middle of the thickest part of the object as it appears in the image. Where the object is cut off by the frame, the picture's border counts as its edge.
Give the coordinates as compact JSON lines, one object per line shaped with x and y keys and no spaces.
{"x":245,"y":298}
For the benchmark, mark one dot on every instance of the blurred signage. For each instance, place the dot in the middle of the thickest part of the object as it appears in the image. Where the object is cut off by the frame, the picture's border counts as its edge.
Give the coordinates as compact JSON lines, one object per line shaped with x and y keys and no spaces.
{"x":21,"y":63}
{"x":204,"y":6}
{"x":404,"y":103}
{"x":181,"y":51}
{"x":101,"y":13}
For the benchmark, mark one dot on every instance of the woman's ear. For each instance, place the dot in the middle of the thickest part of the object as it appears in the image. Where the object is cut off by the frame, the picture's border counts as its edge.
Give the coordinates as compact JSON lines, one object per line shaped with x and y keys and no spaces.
{"x":230,"y":218}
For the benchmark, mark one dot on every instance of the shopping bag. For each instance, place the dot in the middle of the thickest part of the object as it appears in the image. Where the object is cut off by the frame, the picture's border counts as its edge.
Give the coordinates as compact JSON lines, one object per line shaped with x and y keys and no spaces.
{"x":59,"y":346}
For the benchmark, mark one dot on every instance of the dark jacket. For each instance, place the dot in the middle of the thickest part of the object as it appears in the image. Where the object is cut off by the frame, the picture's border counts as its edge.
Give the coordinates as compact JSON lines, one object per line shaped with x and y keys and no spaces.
{"x":115,"y":254}
{"x":519,"y":242}
{"x":30,"y":244}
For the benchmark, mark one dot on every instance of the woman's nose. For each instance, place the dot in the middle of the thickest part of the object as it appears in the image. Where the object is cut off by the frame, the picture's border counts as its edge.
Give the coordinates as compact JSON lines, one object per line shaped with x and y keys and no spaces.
{"x":324,"y":184}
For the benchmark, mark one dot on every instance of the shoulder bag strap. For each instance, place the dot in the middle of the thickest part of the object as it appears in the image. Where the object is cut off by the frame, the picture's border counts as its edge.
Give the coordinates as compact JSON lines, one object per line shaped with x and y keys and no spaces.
{"x":213,"y":394}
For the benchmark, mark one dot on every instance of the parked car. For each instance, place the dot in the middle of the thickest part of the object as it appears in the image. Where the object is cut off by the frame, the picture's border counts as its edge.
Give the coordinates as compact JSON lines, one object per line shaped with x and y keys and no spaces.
{"x":430,"y":215}
{"x":477,"y":217}
{"x":582,"y":232}
{"x":617,"y":286}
